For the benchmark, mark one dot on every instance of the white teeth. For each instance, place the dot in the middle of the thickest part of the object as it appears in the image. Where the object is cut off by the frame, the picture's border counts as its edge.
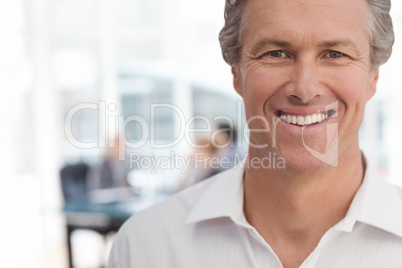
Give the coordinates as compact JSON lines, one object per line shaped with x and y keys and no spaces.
{"x":304,"y":120}
{"x":300,"y":120}
{"x":289,"y":119}
{"x":314,"y":118}
{"x":307,"y":120}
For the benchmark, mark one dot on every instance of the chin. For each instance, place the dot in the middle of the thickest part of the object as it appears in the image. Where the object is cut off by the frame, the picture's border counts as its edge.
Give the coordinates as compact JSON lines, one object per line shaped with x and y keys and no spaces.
{"x":305,"y":167}
{"x":292,"y":161}
{"x":306,"y":163}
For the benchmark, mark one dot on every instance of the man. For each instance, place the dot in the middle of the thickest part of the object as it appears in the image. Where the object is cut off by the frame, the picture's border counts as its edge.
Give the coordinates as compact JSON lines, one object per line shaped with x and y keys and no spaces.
{"x":308,"y":66}
{"x":111,"y":172}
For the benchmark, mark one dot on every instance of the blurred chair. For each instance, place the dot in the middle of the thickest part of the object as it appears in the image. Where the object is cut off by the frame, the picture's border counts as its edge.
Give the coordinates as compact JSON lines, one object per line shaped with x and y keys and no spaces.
{"x":75,"y":192}
{"x":74,"y":183}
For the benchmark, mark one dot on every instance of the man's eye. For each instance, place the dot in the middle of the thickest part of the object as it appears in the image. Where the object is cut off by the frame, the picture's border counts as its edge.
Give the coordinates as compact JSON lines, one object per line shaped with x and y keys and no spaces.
{"x":276,"y":54}
{"x":334,"y":54}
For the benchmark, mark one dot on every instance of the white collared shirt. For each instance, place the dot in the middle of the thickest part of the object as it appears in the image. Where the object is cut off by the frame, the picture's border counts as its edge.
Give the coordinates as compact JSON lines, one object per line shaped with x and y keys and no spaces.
{"x":205,"y":226}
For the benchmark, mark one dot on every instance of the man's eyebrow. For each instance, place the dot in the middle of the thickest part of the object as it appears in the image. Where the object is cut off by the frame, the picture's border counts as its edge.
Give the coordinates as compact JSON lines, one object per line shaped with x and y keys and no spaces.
{"x":268,"y":42}
{"x":341,"y":43}
{"x":285,"y":44}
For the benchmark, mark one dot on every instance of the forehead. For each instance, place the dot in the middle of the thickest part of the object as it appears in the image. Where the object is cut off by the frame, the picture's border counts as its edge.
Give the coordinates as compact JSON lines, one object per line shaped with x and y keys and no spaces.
{"x":307,"y":20}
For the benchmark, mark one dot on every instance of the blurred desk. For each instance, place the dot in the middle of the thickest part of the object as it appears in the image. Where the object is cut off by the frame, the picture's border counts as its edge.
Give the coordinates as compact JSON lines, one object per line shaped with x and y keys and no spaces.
{"x":103,"y":218}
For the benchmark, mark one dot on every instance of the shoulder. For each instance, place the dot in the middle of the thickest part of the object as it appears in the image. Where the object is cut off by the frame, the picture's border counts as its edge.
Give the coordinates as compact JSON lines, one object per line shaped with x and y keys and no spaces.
{"x":382,"y":206}
{"x":389,"y":190}
{"x":159,"y":230}
{"x":169,"y":213}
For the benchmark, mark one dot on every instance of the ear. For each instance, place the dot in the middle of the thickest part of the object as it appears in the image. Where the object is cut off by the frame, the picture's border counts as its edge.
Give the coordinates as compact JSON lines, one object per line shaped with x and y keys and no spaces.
{"x":373,"y":83}
{"x":237,"y":80}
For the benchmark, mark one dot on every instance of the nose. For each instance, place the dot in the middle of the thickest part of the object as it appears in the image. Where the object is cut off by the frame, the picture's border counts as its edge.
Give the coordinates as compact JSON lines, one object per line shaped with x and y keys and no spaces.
{"x":305,"y":87}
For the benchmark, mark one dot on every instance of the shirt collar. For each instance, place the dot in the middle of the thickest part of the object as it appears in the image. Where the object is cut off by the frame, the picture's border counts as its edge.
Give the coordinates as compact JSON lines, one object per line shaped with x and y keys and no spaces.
{"x":223,"y":198}
{"x":376,"y":203}
{"x":379,"y":203}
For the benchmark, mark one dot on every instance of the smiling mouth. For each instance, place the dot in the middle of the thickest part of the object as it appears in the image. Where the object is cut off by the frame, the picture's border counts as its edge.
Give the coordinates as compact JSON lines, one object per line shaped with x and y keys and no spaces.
{"x":305,"y":120}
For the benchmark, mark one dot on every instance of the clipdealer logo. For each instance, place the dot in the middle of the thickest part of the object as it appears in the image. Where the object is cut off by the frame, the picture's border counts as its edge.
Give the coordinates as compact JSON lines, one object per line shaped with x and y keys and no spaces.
{"x":330,"y":156}
{"x":112,"y":123}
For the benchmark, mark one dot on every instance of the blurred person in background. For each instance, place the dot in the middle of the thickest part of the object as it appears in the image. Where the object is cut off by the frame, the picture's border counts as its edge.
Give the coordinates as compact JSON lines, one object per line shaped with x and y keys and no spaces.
{"x":213,"y":155}
{"x":111,"y":172}
{"x":229,"y":152}
{"x":199,"y":167}
{"x":307,"y":68}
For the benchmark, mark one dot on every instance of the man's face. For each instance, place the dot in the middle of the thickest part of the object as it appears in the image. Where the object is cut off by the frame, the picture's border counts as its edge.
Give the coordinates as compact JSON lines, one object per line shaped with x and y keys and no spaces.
{"x":305,"y":60}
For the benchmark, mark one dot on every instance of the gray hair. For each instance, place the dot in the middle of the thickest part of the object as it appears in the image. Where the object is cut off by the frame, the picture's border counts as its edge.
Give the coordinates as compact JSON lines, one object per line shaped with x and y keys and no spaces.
{"x":379,"y":26}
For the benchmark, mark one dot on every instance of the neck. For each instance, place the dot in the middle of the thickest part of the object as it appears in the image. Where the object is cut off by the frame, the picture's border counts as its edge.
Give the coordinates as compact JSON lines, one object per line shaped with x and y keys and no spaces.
{"x":286,"y":205}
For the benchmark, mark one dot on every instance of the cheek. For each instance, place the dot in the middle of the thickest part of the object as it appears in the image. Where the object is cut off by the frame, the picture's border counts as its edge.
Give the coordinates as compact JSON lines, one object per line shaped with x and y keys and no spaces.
{"x":259,"y":86}
{"x":351,"y":88}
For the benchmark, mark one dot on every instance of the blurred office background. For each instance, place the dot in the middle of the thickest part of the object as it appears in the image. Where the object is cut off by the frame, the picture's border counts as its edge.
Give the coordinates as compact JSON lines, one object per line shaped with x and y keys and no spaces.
{"x":92,"y":61}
